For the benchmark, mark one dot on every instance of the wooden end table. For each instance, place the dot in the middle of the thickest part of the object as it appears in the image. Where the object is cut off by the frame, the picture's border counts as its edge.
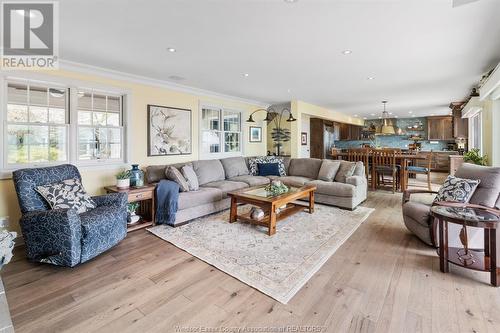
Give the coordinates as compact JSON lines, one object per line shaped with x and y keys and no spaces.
{"x":479,"y":260}
{"x":258,"y":196}
{"x":145,"y":196}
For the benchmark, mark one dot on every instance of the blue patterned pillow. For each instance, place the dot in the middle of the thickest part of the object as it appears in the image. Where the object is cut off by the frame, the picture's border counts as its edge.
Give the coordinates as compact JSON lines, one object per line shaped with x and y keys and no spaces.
{"x":457,"y":189}
{"x":67,"y":194}
{"x":254,"y":170}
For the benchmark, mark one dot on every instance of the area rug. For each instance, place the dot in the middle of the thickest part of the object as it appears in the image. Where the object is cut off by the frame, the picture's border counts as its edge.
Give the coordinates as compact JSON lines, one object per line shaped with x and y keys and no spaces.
{"x":277,"y":265}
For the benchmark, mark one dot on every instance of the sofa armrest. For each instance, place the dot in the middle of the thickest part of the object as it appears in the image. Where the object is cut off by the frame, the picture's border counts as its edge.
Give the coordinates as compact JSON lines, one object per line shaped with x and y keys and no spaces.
{"x":407,"y":194}
{"x":53,"y":236}
{"x":356,"y":180}
{"x":111,"y":199}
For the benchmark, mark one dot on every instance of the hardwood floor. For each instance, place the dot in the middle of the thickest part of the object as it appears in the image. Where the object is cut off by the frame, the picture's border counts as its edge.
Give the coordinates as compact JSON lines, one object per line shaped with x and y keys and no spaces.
{"x":381,"y":280}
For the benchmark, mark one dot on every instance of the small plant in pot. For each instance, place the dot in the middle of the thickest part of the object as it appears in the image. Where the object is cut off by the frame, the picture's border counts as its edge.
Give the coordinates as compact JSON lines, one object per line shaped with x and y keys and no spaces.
{"x":123,"y":179}
{"x":474,"y":156}
{"x":132,"y":216}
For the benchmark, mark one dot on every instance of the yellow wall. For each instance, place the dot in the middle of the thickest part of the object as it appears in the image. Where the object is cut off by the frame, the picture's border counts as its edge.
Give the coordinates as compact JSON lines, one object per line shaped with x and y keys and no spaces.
{"x":487,"y":129}
{"x":95,"y":179}
{"x":299,"y":108}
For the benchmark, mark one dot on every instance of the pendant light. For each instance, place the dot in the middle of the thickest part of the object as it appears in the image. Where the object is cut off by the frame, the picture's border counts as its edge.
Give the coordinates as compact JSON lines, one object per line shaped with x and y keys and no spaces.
{"x":387,"y":129}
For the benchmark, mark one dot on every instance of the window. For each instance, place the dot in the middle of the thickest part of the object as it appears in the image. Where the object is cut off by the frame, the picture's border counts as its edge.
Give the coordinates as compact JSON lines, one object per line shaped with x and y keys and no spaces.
{"x":99,"y":126}
{"x":475,"y":131}
{"x":37,"y":117}
{"x":51,"y":123}
{"x":220,"y":131}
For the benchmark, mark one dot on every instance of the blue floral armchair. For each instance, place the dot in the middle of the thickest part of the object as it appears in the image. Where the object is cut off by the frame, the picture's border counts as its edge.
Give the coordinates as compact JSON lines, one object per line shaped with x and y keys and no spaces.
{"x":62,"y":236}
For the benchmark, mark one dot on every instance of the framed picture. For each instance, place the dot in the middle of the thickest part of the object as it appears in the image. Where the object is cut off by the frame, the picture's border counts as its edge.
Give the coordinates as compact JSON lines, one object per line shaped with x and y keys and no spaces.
{"x":255,"y":134}
{"x":169,"y":131}
{"x":303,"y":138}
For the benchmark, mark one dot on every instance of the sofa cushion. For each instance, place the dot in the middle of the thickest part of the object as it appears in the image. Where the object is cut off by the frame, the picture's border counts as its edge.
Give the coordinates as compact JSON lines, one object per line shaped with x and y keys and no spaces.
{"x":173,"y":174}
{"x":155,"y":173}
{"x":487,"y":192}
{"x":251,"y":180}
{"x":457,"y":189}
{"x":268,"y":169}
{"x":333,"y":188}
{"x":296,"y":181}
{"x":359,"y":169}
{"x":204,"y":195}
{"x":328,"y":170}
{"x":417,"y":211}
{"x":68,"y":193}
{"x":226,"y":186}
{"x":252,"y":163}
{"x":190,"y":176}
{"x":305,"y":167}
{"x":346,"y":169}
{"x":209,"y":171}
{"x":234,"y":166}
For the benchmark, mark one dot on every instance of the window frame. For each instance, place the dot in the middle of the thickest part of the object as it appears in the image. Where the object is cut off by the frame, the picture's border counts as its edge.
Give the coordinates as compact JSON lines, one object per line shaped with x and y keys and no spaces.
{"x":72,"y":86}
{"x":476,"y":118}
{"x":107,"y":161}
{"x":222,"y":154}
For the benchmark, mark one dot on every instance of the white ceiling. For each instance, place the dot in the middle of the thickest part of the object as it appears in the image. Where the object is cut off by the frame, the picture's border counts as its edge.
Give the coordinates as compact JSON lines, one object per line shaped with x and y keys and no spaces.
{"x":423,"y":54}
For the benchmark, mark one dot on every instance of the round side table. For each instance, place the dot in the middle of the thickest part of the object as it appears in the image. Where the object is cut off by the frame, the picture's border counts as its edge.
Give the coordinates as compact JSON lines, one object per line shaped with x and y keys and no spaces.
{"x":484,"y":261}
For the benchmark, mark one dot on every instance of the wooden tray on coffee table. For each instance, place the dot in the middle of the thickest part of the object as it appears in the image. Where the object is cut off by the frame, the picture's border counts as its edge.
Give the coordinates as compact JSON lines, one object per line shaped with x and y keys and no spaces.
{"x":258,"y":196}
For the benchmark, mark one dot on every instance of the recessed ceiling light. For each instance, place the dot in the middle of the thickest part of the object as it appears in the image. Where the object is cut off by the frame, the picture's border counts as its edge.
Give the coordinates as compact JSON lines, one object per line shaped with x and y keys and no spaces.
{"x":355,"y":115}
{"x":171,"y":50}
{"x":379,"y":117}
{"x":412,"y":115}
{"x":372,"y":114}
{"x":365,"y":118}
{"x":433,"y":114}
{"x":346,"y":52}
{"x":390,"y":112}
{"x":245,"y":74}
{"x":410,"y":112}
{"x":290,"y":1}
{"x":370,"y":78}
{"x":289,"y":90}
{"x":395,"y":116}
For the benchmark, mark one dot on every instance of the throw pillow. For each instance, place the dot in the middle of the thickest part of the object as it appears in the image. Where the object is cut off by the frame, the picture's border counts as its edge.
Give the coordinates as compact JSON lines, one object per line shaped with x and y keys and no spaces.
{"x":268,"y":169}
{"x":254,"y":171}
{"x":173,"y":174}
{"x":457,"y":189}
{"x":328,"y":170}
{"x":346,"y":169}
{"x":67,"y":194}
{"x":234,"y":166}
{"x":190,"y":176}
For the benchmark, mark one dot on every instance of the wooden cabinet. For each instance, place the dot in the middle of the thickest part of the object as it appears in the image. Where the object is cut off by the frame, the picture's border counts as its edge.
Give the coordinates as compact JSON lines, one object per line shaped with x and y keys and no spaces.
{"x":440,"y":128}
{"x":460,"y":125}
{"x":350,"y":132}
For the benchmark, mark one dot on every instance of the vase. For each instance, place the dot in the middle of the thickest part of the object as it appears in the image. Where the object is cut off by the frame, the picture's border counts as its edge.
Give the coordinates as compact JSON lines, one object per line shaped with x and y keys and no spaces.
{"x":136,"y":176}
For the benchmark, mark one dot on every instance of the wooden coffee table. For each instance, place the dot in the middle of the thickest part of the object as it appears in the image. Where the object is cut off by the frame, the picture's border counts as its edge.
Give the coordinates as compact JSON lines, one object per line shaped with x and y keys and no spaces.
{"x":258,"y":196}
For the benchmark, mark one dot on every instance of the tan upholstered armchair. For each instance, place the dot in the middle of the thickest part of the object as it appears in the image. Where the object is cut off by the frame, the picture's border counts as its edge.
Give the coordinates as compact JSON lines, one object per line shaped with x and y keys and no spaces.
{"x":416,"y":215}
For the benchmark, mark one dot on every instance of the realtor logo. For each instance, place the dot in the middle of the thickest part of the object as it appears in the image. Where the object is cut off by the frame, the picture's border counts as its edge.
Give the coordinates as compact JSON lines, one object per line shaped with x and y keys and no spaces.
{"x":29,"y":35}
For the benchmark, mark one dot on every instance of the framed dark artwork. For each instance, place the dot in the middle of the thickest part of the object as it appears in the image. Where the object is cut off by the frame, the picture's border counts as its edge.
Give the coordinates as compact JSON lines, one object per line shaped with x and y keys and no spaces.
{"x":169,"y":131}
{"x":303,"y":138}
{"x":255,"y":134}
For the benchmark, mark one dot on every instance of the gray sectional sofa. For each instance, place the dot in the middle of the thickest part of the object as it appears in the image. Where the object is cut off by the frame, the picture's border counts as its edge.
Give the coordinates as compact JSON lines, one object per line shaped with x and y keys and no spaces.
{"x":218,"y":177}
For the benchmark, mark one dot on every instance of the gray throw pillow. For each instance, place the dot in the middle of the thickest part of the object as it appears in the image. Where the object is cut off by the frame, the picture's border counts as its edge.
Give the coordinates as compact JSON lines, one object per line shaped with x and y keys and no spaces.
{"x":346,"y":169}
{"x":67,"y":194}
{"x":328,"y":170}
{"x":457,"y":189}
{"x":191,"y":177}
{"x":173,"y":174}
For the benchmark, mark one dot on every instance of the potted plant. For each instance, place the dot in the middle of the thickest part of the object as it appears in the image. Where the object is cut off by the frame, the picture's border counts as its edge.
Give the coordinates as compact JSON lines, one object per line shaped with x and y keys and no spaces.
{"x":133,"y":217}
{"x":473,"y":156}
{"x":123,"y":179}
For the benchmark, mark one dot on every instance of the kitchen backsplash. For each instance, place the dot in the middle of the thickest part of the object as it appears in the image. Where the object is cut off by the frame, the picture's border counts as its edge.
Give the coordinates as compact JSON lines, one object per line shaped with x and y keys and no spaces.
{"x":396,"y":141}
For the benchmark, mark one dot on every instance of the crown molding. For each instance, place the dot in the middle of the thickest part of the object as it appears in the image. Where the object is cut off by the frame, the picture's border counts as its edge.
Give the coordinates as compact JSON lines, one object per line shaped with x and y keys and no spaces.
{"x":139,"y":79}
{"x":491,"y":84}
